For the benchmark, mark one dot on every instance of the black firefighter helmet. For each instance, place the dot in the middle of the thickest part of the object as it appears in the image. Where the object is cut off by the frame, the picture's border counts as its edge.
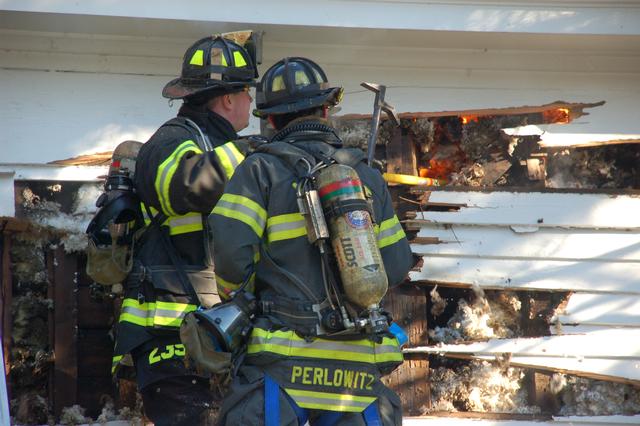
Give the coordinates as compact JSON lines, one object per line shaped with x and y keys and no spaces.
{"x":294,"y":84}
{"x":212,"y":65}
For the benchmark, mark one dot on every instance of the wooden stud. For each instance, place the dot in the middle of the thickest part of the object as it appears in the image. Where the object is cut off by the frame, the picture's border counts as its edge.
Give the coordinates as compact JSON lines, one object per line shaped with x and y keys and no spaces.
{"x":401,"y":153}
{"x":540,"y":392}
{"x":66,"y":330}
{"x":408,"y":307}
{"x":50,"y":262}
{"x":7,"y":300}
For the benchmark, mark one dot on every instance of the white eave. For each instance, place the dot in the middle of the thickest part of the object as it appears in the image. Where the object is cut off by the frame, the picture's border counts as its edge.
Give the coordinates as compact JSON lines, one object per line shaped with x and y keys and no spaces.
{"x":9,"y":173}
{"x":53,"y":172}
{"x":604,"y":17}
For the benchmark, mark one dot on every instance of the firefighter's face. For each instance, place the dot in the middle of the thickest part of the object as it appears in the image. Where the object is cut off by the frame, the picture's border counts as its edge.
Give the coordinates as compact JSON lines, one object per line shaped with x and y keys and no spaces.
{"x":240,"y":108}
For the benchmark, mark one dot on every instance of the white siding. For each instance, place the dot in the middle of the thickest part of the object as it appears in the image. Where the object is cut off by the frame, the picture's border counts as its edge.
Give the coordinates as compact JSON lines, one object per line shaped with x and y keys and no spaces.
{"x":546,"y":241}
{"x":542,"y":16}
{"x":75,"y":84}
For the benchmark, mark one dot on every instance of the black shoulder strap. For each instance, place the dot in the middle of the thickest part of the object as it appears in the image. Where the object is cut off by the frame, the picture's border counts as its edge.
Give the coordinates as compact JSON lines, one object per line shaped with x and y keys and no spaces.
{"x":156,"y":221}
{"x":202,"y":140}
{"x":299,"y":160}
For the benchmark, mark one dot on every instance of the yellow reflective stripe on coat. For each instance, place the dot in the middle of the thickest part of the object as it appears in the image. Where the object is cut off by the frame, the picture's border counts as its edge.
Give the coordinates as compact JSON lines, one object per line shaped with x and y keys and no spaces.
{"x":226,"y":287}
{"x":285,"y":226}
{"x":243,"y":209}
{"x":114,"y":362}
{"x":167,"y":314}
{"x":288,"y":343}
{"x":154,"y":211}
{"x":229,"y":157}
{"x":190,"y":222}
{"x":330,"y":401}
{"x":389,"y":232}
{"x":165,"y":173}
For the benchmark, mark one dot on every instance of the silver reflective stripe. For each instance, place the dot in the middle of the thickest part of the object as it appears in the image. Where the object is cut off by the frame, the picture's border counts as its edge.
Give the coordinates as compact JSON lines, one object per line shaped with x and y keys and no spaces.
{"x":230,"y":154}
{"x":167,"y":313}
{"x":142,"y":313}
{"x":242,"y":209}
{"x":390,"y":232}
{"x":175,"y":221}
{"x":330,"y":401}
{"x":386,"y":349}
{"x":287,"y":226}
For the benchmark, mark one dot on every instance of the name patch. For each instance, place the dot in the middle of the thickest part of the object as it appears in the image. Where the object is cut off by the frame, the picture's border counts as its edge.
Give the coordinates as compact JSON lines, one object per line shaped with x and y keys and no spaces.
{"x":334,"y":377}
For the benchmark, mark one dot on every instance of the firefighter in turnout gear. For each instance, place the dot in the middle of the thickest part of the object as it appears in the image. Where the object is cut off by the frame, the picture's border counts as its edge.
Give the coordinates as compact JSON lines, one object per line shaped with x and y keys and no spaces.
{"x":312,"y":355}
{"x":180,"y":174}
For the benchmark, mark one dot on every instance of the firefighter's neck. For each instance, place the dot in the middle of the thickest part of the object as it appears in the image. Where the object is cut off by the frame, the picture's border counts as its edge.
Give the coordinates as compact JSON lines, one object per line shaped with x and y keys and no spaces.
{"x":312,"y":117}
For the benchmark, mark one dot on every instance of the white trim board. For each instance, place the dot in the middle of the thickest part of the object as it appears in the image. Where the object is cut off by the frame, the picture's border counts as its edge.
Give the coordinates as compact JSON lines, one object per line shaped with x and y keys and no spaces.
{"x":507,"y":273}
{"x":605,"y":354}
{"x":529,"y":243}
{"x":566,"y":210}
{"x":569,"y":420}
{"x":600,"y":310}
{"x":604,"y":344}
{"x":54,"y":172}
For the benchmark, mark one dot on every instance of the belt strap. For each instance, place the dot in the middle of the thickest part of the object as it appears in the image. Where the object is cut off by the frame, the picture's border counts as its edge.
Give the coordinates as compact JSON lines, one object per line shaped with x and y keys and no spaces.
{"x":271,"y":402}
{"x":371,"y":416}
{"x":296,"y":314}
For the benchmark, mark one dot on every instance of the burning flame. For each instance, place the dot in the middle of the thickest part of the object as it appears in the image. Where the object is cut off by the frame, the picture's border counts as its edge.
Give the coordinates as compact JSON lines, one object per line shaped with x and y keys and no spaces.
{"x":469,"y":118}
{"x":557,"y":116}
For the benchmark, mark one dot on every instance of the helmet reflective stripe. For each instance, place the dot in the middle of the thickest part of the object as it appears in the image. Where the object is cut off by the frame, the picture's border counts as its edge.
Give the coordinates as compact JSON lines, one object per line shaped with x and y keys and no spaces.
{"x":285,"y":226}
{"x":197,"y":58}
{"x":239,"y":59}
{"x":243,"y":209}
{"x":330,"y":401}
{"x":300,"y":79}
{"x":389,"y":232}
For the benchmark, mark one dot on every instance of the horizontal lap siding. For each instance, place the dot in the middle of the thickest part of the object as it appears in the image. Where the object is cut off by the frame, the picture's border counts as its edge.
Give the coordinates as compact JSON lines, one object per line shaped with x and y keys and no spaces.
{"x":544,"y":241}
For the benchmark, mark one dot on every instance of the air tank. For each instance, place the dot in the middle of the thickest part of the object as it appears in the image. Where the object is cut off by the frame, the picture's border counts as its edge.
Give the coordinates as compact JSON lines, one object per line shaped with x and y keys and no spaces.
{"x":352,"y":235}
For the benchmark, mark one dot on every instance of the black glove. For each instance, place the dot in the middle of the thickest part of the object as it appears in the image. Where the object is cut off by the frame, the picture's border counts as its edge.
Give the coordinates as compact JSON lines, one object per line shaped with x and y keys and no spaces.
{"x":249,"y":144}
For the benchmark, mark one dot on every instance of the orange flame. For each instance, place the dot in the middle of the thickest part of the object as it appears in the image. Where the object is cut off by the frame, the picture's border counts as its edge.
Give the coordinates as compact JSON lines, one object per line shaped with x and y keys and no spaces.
{"x":557,"y":116}
{"x":468,"y":118}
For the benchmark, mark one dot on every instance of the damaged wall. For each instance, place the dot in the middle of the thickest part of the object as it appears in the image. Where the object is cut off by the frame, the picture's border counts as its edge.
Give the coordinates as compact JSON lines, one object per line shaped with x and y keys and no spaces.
{"x":505,"y":271}
{"x":59,"y":321}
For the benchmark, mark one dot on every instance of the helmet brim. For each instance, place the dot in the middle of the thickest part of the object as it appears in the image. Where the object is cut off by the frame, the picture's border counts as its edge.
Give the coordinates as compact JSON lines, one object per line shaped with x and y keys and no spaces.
{"x":176,"y":89}
{"x":331,"y":96}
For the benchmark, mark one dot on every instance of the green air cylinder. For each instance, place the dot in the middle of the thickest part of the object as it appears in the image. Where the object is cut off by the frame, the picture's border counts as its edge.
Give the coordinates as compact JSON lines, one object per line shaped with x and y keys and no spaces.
{"x":352,"y":235}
